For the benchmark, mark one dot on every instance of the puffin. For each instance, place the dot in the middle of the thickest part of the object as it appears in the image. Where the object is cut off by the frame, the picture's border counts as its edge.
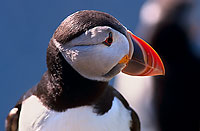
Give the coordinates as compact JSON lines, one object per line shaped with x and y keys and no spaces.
{"x":87,"y":50}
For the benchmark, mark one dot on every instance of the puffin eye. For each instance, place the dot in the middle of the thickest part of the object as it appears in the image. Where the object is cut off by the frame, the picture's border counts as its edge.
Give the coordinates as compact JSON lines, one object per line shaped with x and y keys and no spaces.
{"x":108,"y":40}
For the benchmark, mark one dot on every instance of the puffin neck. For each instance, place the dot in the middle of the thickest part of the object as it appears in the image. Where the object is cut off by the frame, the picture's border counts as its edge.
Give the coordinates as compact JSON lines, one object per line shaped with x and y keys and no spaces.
{"x":67,"y":88}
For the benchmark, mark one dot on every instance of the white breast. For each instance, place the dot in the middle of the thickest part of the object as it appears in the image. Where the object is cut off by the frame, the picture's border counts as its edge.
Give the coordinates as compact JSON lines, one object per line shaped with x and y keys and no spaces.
{"x":35,"y":117}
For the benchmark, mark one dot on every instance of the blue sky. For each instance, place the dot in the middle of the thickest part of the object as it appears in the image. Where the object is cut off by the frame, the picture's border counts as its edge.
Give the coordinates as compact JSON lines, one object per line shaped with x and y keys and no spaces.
{"x":25,"y":29}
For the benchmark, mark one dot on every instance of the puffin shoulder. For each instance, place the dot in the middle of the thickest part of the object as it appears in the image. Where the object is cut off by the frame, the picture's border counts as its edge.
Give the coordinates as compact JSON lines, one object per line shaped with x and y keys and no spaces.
{"x":11,"y":123}
{"x":135,"y":123}
{"x":104,"y":104}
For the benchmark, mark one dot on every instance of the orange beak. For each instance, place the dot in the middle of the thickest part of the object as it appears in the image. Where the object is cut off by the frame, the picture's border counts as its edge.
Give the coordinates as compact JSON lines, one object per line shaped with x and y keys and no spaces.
{"x":143,"y":59}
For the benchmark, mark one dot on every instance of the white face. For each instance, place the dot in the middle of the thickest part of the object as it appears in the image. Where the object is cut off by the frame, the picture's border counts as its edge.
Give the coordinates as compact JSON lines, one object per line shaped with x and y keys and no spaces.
{"x":91,"y":57}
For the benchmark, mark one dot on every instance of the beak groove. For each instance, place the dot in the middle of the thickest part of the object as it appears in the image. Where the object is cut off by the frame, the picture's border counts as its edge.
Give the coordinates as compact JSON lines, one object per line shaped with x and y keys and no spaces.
{"x":144,"y":60}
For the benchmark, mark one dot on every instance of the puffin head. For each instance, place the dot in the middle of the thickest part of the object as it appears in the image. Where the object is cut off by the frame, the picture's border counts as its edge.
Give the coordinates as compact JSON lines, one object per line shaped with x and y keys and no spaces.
{"x":98,"y":47}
